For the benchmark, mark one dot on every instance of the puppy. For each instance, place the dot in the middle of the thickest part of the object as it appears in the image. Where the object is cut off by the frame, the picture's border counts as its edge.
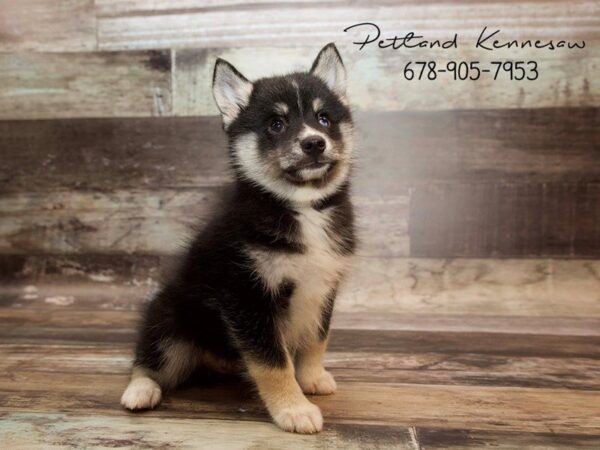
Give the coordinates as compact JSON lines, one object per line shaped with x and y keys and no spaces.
{"x":256,"y":289}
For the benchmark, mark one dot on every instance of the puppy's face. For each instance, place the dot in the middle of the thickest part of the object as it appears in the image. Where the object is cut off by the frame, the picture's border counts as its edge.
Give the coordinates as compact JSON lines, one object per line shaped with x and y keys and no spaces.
{"x":292,"y":135}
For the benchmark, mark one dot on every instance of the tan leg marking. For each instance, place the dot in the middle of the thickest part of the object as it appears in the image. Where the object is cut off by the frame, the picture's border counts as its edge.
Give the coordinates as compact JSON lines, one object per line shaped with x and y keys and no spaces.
{"x":310,"y":373}
{"x":142,"y":392}
{"x":283,"y":397}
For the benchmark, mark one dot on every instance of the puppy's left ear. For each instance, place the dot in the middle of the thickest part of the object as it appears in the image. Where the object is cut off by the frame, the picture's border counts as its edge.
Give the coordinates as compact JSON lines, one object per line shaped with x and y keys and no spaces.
{"x":231,"y":91}
{"x":329,"y":67}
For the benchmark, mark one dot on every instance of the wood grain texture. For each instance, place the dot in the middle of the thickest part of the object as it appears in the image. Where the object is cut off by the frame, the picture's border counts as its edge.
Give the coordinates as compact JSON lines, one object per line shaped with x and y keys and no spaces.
{"x":376,"y":83}
{"x":109,"y":154}
{"x":495,"y":290}
{"x":490,"y":287}
{"x":473,"y":369}
{"x":55,"y":430}
{"x":120,"y":84}
{"x":54,"y":85}
{"x":505,"y":220}
{"x":398,"y":387}
{"x":139,"y":25}
{"x":69,"y":326}
{"x":97,"y":222}
{"x":473,"y":439}
{"x":264,"y":38}
{"x":153,"y":221}
{"x":394,"y":150}
{"x":498,"y":408}
{"x":525,"y":191}
{"x":47,"y":25}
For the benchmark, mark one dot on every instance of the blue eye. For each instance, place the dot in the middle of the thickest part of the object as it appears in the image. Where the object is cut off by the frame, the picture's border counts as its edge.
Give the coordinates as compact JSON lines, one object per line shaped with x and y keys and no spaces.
{"x":323,"y":120}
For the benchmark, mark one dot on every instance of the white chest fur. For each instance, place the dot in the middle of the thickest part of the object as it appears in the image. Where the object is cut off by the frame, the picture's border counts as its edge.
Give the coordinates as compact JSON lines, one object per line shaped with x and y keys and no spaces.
{"x":315,"y":272}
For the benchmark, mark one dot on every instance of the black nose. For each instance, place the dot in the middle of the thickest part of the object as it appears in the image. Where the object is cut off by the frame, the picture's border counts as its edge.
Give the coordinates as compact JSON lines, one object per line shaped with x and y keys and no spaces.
{"x":313,"y":145}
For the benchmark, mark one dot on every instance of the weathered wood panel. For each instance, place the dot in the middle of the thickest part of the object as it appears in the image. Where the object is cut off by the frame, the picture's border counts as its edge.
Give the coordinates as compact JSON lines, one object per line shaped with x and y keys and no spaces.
{"x":123,"y":84}
{"x":176,"y":156}
{"x":376,"y":83}
{"x":373,"y":367}
{"x":503,"y":287}
{"x":47,"y":25}
{"x":473,"y":407}
{"x":158,"y":24}
{"x":394,"y":150}
{"x":528,"y":146}
{"x":68,"y":325}
{"x":110,"y":154}
{"x":432,"y":439}
{"x":55,"y":85}
{"x":505,"y":220}
{"x":244,"y":32}
{"x":525,"y":325}
{"x":405,"y":290}
{"x":53,"y":431}
{"x":113,"y":222}
{"x":153,"y":221}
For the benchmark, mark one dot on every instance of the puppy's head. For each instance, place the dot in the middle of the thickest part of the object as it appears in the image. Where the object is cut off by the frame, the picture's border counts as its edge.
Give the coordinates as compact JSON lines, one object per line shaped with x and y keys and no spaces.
{"x":291,"y":135}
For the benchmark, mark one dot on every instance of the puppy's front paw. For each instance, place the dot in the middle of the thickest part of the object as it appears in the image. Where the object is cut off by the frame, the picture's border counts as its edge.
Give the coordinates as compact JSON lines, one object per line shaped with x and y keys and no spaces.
{"x":142,"y":393}
{"x":319,"y":382}
{"x":304,"y":418}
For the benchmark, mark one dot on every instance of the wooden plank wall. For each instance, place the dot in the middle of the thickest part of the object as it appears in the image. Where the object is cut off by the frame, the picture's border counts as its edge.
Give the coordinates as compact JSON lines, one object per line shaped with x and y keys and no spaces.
{"x":108,"y":133}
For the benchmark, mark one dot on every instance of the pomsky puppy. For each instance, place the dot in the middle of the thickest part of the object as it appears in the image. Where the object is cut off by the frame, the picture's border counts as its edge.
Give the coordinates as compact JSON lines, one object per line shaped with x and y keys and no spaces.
{"x":255,"y":291}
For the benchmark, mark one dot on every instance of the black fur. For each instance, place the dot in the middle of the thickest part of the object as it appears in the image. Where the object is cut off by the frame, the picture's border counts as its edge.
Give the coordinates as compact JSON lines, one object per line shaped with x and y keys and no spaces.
{"x":214,"y":299}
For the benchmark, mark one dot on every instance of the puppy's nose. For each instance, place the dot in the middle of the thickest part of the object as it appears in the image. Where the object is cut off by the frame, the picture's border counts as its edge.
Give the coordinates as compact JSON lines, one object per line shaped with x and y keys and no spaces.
{"x":313,"y":145}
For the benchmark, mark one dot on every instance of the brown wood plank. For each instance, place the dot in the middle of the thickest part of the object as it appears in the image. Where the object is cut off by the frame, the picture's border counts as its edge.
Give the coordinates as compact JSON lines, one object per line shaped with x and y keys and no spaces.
{"x":431,"y":439}
{"x":394,"y":150}
{"x":469,"y":369}
{"x":505,"y":220}
{"x":54,"y":430}
{"x":55,"y":85}
{"x":569,"y":326}
{"x":138,"y":25}
{"x":459,"y":343}
{"x":67,"y":325}
{"x":484,"y":408}
{"x":47,"y":25}
{"x":551,"y":210}
{"x":526,"y":146}
{"x":108,"y":154}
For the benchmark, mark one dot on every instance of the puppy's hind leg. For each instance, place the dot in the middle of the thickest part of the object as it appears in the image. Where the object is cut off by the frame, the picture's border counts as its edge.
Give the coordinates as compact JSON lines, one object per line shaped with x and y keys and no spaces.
{"x":177,"y":361}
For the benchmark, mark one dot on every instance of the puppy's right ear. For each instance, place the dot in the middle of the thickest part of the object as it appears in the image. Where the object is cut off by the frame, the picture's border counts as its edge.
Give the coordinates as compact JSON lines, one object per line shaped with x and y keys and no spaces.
{"x":231,"y":91}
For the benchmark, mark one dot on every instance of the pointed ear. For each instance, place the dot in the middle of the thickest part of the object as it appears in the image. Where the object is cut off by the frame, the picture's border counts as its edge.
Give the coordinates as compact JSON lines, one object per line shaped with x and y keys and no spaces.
{"x":329,"y":67}
{"x":231,"y":91}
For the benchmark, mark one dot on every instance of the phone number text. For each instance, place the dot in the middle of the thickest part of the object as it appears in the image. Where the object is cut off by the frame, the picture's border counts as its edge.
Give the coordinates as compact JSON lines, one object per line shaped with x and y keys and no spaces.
{"x":472,"y":70}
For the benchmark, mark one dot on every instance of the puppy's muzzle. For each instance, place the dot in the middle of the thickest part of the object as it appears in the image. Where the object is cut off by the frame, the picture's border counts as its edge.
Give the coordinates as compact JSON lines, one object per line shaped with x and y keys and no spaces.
{"x":313,"y":146}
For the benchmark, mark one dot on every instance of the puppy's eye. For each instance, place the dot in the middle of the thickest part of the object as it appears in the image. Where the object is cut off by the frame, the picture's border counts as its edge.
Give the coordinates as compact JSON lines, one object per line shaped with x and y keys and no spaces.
{"x":276,"y":126}
{"x":324,"y":120}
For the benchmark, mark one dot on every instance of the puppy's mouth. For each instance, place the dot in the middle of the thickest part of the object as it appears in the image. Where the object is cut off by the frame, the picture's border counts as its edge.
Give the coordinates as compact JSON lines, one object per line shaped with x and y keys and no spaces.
{"x":310,"y":170}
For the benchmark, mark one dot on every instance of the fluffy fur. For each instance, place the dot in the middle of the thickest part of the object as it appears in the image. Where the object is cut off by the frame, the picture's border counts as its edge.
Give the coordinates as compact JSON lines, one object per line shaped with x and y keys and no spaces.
{"x":256,"y":289}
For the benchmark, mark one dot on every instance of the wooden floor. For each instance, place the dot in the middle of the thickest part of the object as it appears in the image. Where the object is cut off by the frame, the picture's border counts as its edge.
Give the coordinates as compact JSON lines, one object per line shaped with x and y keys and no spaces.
{"x":407,"y":381}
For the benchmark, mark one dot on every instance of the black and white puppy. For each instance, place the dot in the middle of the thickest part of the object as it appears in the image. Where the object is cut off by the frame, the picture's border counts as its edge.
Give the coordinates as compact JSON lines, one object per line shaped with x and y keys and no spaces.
{"x":256,"y":289}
